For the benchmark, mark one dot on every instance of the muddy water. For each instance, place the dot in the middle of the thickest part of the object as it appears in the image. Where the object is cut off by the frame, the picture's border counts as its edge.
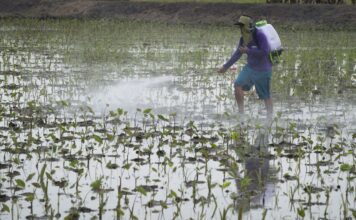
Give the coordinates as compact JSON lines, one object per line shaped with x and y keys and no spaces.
{"x":61,"y":132}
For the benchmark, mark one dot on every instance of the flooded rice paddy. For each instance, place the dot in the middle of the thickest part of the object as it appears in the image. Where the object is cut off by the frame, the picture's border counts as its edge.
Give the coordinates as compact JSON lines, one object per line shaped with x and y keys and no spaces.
{"x":104,"y":119}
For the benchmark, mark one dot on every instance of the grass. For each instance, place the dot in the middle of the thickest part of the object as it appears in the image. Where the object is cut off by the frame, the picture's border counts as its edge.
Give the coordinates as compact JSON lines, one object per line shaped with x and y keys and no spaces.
{"x":349,"y":2}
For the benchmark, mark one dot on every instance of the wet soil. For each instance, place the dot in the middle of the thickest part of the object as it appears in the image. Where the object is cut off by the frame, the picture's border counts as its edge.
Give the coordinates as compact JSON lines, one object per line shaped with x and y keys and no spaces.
{"x":287,"y":15}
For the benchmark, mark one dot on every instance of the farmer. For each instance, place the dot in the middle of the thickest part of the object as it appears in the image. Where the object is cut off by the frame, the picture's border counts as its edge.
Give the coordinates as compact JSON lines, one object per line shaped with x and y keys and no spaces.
{"x":258,"y":69}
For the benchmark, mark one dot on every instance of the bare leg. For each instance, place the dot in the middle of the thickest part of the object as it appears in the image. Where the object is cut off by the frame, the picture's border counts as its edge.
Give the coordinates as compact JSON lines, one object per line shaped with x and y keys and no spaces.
{"x":269,"y":107}
{"x":239,"y":96}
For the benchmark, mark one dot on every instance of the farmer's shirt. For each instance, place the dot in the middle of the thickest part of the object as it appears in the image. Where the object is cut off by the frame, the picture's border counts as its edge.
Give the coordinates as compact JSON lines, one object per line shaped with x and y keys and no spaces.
{"x":257,"y":56}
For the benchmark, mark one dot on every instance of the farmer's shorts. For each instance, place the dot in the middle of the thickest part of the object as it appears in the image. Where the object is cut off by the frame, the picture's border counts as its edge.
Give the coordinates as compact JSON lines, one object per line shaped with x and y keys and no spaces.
{"x":249,"y":77}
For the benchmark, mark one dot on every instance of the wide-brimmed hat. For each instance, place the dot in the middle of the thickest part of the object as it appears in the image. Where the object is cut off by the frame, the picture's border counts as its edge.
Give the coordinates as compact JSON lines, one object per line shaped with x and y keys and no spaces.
{"x":244,"y":20}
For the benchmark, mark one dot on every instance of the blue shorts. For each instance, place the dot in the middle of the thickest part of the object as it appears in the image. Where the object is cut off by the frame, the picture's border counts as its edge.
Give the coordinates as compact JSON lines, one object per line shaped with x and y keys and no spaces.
{"x":249,"y":77}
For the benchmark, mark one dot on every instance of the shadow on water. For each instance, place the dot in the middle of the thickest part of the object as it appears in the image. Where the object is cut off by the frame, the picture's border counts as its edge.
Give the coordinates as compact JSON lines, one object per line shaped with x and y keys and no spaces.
{"x":255,"y":188}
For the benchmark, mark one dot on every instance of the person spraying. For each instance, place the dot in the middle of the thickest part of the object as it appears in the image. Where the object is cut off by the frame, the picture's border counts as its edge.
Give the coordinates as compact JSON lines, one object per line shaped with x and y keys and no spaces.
{"x":258,"y":70}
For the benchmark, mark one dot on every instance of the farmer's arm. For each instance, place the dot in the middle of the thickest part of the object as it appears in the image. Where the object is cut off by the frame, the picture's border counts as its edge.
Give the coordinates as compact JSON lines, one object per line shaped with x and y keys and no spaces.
{"x":263,"y":49}
{"x":235,"y":57}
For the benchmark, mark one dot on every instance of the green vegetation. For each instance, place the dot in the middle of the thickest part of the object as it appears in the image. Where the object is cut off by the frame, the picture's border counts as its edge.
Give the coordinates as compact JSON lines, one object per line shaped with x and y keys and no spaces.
{"x":349,"y":2}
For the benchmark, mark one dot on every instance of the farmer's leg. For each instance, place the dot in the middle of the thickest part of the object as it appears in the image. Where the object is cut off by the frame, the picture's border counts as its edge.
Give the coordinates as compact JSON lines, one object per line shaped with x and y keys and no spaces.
{"x":242,"y":83}
{"x":239,"y":96}
{"x":269,"y":107}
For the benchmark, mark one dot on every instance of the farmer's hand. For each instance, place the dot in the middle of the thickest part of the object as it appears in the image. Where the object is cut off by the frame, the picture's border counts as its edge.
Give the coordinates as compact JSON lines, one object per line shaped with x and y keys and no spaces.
{"x":243,"y":49}
{"x":222,"y":70}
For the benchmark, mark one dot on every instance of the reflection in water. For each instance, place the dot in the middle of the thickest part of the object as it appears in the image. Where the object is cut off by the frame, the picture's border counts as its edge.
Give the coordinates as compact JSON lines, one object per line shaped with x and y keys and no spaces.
{"x":255,"y":189}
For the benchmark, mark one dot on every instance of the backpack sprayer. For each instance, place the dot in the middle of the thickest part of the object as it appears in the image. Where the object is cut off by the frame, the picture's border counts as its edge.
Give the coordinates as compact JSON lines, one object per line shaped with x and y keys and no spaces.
{"x":273,"y":40}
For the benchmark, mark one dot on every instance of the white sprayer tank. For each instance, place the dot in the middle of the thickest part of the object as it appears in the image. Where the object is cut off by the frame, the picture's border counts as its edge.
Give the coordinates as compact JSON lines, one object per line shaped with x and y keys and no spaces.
{"x":272,"y":36}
